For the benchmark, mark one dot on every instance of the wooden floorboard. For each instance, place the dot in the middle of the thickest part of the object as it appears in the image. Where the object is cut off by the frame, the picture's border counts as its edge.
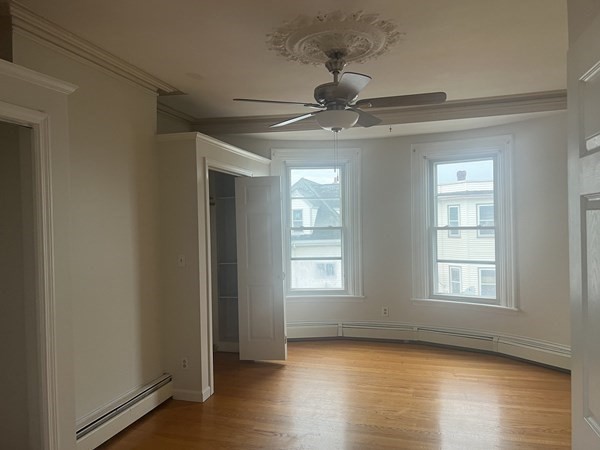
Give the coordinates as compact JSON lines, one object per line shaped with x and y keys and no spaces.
{"x":364,"y":395}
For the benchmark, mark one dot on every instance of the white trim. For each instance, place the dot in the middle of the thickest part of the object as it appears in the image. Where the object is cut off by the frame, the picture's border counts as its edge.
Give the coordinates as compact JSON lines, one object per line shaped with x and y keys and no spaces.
{"x":33,"y":77}
{"x":210,"y":140}
{"x":124,"y":419}
{"x":174,"y":113}
{"x":500,"y":147}
{"x":282,"y":159}
{"x":192,"y":396}
{"x":37,"y":28}
{"x":536,"y":350}
{"x":454,"y":109}
{"x":212,"y":164}
{"x":44,"y":260}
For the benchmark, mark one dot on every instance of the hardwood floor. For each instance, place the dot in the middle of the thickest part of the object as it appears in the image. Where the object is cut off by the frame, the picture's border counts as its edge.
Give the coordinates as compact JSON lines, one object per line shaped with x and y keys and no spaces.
{"x":364,"y":395}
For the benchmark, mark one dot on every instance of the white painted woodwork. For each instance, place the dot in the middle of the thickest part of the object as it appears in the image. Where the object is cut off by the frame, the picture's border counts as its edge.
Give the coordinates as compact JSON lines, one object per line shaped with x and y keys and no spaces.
{"x":260,"y":269}
{"x":550,"y":353}
{"x":584,"y":233}
{"x":128,"y":416}
{"x":40,"y":102}
{"x":450,"y":110}
{"x":26,"y":23}
{"x":184,"y":163}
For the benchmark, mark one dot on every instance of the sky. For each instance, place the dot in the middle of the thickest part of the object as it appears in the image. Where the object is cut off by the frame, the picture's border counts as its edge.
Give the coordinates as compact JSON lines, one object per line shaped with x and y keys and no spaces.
{"x":476,"y":171}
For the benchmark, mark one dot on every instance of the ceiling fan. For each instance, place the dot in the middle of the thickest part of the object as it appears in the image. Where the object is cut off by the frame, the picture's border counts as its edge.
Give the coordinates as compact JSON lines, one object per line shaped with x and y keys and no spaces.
{"x":338,"y":104}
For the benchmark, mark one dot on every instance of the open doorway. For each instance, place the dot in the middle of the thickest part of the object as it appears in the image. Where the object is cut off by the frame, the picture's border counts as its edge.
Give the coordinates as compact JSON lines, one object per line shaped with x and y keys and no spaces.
{"x":224,"y":280}
{"x":19,"y":380}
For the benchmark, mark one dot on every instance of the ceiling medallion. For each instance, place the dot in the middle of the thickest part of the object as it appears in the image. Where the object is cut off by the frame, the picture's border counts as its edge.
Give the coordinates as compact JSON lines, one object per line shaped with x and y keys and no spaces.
{"x":314,"y":40}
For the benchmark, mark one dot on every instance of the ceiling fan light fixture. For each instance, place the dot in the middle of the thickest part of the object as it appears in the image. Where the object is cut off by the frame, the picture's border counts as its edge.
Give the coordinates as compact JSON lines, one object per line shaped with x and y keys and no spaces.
{"x":337,"y":119}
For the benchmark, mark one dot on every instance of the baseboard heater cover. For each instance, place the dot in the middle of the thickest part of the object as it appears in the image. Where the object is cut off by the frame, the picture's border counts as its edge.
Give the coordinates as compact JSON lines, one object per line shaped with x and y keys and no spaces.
{"x":534,"y":350}
{"x":130,"y":400}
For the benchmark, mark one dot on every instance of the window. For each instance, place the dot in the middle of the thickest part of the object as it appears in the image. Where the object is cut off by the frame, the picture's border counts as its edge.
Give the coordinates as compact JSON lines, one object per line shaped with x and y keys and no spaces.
{"x":485,"y":218}
{"x":322,"y":221}
{"x":462,"y":189}
{"x":453,"y":220}
{"x":455,"y":279}
{"x":487,"y":282}
{"x":297,"y":218}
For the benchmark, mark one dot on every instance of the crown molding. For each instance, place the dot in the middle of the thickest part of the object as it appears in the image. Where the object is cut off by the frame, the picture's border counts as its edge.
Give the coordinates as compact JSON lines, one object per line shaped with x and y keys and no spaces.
{"x":169,"y":111}
{"x":39,"y":29}
{"x":455,"y":109}
{"x":33,"y":77}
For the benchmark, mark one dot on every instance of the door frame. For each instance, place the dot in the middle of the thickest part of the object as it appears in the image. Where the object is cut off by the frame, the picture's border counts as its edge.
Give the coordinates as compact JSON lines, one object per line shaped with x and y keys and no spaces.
{"x":236,"y":171}
{"x":46,"y":125}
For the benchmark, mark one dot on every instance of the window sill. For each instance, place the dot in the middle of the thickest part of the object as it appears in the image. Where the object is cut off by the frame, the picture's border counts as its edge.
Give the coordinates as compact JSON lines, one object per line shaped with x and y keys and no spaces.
{"x":452,"y":304}
{"x":325,"y":298}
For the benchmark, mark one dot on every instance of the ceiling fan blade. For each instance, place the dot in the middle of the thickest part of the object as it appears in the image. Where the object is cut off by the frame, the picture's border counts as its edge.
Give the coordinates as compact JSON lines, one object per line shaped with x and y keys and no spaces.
{"x":350,"y":84}
{"x":292,"y":120}
{"x":402,"y":100}
{"x":310,"y":105}
{"x":365,"y":119}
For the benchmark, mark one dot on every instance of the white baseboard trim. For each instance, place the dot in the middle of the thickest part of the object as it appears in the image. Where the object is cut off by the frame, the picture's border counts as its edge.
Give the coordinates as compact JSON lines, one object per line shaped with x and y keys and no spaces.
{"x":544,"y":352}
{"x":125,"y":418}
{"x":192,"y":396}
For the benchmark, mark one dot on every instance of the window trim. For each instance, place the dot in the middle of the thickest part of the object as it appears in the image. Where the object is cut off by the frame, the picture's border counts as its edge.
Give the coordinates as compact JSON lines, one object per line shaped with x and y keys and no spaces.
{"x":284,"y":159}
{"x":499,"y":147}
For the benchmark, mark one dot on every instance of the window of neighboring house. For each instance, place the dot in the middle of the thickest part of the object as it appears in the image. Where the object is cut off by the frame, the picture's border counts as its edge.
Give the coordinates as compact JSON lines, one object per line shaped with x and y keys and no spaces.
{"x":455,"y":279}
{"x":487,"y":282}
{"x":322,"y":251}
{"x":297,"y":219}
{"x":485,"y":218}
{"x":472,"y":178}
{"x":453,"y":220}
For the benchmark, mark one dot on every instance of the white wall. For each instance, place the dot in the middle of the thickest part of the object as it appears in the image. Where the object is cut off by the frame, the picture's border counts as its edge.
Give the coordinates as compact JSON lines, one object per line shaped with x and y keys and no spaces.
{"x":184,"y":162}
{"x":541,"y":232}
{"x":113,"y":228}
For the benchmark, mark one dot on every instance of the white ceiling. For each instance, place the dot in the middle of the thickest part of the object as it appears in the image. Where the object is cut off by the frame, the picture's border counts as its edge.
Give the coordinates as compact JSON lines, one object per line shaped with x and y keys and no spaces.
{"x":215,"y":50}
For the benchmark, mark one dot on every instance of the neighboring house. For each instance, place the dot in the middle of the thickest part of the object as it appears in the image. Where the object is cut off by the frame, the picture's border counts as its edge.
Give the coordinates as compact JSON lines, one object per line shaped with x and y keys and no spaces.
{"x":315,"y":223}
{"x":465,"y":203}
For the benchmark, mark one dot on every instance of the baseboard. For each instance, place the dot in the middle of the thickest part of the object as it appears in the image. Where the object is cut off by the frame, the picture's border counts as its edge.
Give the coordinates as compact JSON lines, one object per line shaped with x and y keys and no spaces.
{"x":543,"y":352}
{"x":125,"y":418}
{"x":192,"y":396}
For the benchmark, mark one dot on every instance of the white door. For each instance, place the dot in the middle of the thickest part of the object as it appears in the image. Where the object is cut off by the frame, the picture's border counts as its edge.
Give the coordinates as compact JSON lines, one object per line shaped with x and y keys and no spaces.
{"x":584,"y":234}
{"x":261,"y":303}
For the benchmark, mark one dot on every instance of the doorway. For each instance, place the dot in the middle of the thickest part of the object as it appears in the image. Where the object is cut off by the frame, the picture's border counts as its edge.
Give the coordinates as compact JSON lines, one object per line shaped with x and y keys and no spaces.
{"x":224,"y":281}
{"x":19,"y":379}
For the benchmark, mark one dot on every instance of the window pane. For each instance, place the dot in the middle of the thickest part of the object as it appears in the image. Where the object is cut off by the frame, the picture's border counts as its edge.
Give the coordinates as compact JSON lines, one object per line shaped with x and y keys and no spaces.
{"x":320,"y":274}
{"x":317,"y":243}
{"x":465,"y":280}
{"x":467,"y":247}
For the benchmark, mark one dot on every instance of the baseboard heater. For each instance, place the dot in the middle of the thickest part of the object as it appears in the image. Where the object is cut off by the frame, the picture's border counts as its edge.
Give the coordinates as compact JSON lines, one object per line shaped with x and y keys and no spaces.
{"x":98,"y":419}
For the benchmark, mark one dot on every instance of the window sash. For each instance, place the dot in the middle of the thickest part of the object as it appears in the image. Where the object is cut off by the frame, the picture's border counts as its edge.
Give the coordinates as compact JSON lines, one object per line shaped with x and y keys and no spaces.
{"x":348,"y":160}
{"x":425,"y":210}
